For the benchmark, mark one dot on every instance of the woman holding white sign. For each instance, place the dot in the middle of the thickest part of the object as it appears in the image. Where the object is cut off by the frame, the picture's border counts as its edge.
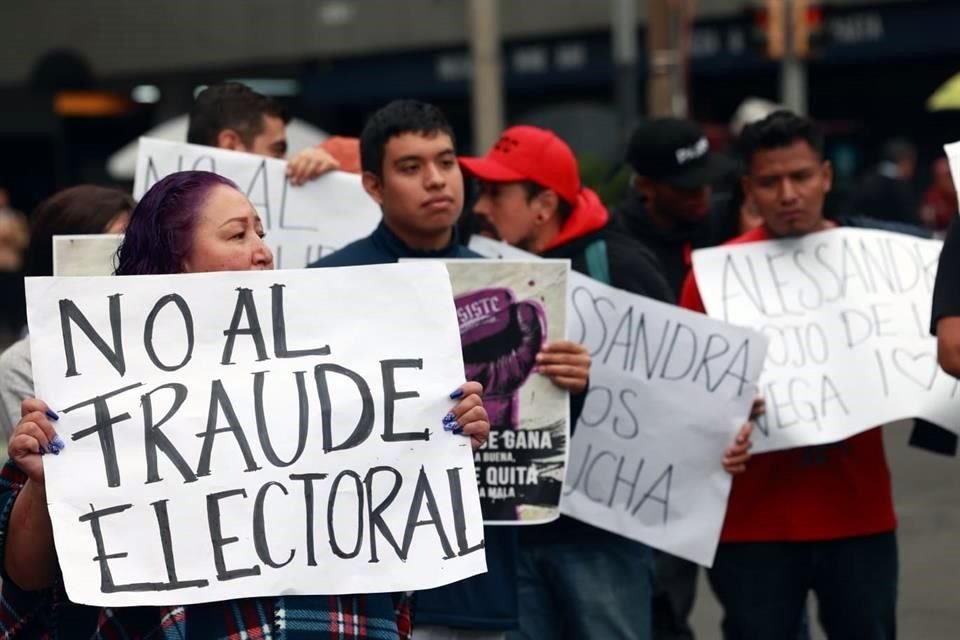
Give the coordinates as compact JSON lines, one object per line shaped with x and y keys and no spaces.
{"x":188,"y":222}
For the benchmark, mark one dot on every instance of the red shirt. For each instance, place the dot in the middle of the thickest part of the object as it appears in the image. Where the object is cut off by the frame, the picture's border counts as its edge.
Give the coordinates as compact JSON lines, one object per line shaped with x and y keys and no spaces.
{"x":823,"y":492}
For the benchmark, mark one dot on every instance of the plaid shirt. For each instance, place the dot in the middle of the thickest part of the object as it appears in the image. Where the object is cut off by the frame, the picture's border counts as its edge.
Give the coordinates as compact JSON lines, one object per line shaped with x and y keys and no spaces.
{"x":49,"y":615}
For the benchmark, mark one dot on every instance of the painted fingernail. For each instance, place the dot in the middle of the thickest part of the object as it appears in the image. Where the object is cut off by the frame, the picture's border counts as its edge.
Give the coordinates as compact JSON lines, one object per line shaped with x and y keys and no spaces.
{"x":458,"y":431}
{"x":52,"y":415}
{"x":58,"y":442}
{"x":456,"y":393}
{"x":55,"y":451}
{"x":451,"y":426}
{"x":449,"y":418}
{"x":42,"y":450}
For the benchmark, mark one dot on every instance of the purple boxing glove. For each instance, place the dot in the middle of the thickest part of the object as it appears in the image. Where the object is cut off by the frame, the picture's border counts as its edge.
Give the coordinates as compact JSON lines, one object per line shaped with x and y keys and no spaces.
{"x":501,"y":339}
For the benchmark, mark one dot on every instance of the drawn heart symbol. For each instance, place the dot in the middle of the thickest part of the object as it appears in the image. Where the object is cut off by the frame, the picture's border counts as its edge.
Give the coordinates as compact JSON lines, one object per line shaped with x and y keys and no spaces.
{"x":920,"y":368}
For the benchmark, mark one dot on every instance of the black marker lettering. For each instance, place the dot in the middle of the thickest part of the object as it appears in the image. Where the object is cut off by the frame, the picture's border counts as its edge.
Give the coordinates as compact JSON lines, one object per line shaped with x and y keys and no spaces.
{"x":391,"y":395}
{"x":187,"y":325}
{"x":260,"y":528}
{"x":219,"y":542}
{"x":69,"y":313}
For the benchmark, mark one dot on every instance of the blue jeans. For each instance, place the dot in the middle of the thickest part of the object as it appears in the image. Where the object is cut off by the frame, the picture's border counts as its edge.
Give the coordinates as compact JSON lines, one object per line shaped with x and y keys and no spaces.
{"x":763,"y":587}
{"x":599,"y":587}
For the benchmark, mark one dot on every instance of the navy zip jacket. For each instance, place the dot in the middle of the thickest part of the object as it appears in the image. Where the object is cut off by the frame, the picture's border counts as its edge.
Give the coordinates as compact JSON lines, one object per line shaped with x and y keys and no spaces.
{"x":489,"y":601}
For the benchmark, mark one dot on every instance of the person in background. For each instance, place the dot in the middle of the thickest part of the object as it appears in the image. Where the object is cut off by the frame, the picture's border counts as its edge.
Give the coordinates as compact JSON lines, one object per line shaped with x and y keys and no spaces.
{"x":945,"y":314}
{"x":939,"y":206}
{"x":84,"y":209}
{"x":346,"y":151}
{"x":14,"y":239}
{"x":671,"y":209}
{"x":231,"y":115}
{"x":886,"y":192}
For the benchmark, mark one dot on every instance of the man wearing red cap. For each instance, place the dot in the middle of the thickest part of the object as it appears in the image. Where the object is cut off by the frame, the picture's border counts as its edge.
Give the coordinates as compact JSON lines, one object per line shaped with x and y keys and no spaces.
{"x":575,"y":580}
{"x":531,"y":198}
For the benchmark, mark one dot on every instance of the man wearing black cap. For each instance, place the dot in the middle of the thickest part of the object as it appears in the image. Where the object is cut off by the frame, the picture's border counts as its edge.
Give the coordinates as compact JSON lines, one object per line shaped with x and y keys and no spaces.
{"x":670,"y":209}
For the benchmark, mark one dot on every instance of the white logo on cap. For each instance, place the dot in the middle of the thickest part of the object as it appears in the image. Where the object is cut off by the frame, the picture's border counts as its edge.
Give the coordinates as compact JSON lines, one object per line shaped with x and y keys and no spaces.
{"x":694,"y":151}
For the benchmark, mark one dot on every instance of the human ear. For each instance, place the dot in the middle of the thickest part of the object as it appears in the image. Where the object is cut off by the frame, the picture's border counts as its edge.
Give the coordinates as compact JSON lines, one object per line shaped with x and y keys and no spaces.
{"x":373,"y":185}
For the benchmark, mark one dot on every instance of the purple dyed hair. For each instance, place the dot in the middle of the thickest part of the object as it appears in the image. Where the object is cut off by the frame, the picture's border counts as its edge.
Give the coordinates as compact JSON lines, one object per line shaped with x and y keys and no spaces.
{"x":159,"y":236}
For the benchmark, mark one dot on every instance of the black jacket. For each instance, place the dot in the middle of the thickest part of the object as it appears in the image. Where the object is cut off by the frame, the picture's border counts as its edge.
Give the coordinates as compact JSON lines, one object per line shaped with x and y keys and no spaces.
{"x":633,"y":267}
{"x":673,"y":248}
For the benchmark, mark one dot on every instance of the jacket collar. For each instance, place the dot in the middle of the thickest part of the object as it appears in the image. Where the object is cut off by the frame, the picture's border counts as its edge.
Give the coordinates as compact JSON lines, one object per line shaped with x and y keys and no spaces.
{"x":390,"y":242}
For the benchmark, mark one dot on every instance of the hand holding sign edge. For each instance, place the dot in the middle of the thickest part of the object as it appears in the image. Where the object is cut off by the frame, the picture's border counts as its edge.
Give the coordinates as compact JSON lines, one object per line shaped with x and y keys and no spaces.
{"x":33,"y":563}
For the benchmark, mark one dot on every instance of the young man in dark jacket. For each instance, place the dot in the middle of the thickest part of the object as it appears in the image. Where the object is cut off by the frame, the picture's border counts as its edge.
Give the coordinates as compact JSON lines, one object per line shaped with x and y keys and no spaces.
{"x":576,"y":580}
{"x":410,"y":168}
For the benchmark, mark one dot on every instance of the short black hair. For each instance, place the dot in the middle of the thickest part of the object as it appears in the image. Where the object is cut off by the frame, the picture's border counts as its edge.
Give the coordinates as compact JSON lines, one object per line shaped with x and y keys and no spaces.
{"x":533,"y":189}
{"x":779,"y":129}
{"x":397,"y":118}
{"x":231,"y":105}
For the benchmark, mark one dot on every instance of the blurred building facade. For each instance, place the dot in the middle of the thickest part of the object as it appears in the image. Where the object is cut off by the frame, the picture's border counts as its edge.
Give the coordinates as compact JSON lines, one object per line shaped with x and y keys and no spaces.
{"x":334,"y":61}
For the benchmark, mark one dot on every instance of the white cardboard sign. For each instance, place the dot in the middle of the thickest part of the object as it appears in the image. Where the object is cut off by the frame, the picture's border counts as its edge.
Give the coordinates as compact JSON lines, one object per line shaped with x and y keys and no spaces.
{"x":669,"y":389}
{"x":847,"y":312}
{"x":302,"y":223}
{"x":251,"y":434}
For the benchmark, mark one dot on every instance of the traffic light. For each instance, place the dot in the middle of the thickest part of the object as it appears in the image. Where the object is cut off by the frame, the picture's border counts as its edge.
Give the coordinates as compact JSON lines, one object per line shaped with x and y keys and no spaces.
{"x":808,"y":29}
{"x":804,"y":20}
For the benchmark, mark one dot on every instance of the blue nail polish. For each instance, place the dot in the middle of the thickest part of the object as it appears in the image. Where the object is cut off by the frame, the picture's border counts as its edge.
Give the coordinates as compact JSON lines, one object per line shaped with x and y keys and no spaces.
{"x":458,"y":431}
{"x":55,"y":452}
{"x":42,"y":450}
{"x":449,"y":426}
{"x":52,"y":415}
{"x":456,"y":393}
{"x":449,"y":418}
{"x":58,"y":442}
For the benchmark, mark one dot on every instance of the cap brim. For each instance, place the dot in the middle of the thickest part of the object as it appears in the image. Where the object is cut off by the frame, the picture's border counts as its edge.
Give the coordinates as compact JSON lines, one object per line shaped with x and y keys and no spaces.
{"x":708,"y":172}
{"x":491,"y":171}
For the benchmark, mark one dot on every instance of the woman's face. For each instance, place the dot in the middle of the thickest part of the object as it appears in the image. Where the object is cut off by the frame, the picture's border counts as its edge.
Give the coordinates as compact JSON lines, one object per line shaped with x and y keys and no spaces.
{"x":228,"y":235}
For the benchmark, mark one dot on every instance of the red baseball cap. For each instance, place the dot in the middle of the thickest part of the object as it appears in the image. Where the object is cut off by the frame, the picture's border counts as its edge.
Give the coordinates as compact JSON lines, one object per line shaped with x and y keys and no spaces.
{"x":529,"y":153}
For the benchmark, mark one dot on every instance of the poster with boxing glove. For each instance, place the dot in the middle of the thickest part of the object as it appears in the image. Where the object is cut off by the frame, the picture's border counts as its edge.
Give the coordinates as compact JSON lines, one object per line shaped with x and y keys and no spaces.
{"x":507,"y":311}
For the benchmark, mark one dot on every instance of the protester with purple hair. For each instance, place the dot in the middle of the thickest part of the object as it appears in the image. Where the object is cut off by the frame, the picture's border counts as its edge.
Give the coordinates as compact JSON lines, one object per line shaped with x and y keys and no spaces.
{"x":189,"y":222}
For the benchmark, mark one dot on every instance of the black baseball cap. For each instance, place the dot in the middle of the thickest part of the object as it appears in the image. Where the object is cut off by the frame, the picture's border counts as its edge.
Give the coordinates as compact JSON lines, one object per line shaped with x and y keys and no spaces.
{"x":675,"y":152}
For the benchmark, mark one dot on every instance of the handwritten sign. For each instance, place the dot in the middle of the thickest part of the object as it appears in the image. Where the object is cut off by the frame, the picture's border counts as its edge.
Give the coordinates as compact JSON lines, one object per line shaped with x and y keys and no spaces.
{"x":668,"y":391}
{"x":302,"y":223}
{"x":256,"y":433}
{"x":507,"y":311}
{"x":847,"y":313}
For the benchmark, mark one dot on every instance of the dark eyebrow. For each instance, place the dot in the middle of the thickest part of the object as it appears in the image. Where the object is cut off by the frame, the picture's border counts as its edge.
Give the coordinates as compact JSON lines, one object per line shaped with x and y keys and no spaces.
{"x":235,"y":219}
{"x":410,"y":158}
